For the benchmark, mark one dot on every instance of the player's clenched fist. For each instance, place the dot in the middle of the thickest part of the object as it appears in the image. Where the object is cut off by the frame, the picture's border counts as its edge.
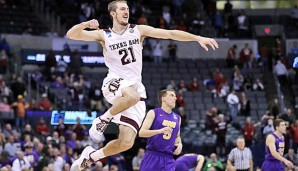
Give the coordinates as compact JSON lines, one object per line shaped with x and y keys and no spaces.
{"x":92,"y":24}
{"x":289,"y":164}
{"x":178,"y":149}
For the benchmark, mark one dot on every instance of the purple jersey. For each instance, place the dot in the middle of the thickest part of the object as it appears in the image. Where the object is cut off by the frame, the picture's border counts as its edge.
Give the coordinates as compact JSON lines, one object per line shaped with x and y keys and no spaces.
{"x":186,"y":162}
{"x":279,"y":146}
{"x":270,"y":162}
{"x":164,"y":143}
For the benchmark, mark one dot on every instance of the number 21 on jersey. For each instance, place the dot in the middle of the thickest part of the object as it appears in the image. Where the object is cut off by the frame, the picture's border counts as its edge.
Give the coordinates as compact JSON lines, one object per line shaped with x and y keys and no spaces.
{"x":128,"y":55}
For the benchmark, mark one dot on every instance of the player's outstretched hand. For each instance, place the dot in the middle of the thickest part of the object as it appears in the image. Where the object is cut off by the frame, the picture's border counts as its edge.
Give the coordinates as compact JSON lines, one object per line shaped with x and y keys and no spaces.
{"x":166,"y":130}
{"x":204,"y":41}
{"x":178,"y":149}
{"x":92,"y":24}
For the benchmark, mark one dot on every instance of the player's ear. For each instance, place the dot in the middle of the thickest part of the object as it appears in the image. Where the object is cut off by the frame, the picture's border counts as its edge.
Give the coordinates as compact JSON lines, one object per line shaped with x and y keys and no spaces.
{"x":112,"y":13}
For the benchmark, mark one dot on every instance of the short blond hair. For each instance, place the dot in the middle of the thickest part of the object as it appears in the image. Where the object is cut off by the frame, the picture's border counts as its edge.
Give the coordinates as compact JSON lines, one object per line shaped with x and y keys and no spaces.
{"x":113,"y":5}
{"x":163,"y":93}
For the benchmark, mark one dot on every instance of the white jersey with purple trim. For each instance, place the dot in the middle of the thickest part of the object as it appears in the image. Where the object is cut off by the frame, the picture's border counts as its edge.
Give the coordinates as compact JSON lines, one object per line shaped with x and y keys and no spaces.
{"x":123,"y":53}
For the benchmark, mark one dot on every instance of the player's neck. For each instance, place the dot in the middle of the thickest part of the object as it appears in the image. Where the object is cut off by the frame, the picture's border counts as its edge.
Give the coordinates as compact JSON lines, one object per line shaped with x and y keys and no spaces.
{"x":167,"y":109}
{"x":118,"y":28}
{"x":279,"y":134}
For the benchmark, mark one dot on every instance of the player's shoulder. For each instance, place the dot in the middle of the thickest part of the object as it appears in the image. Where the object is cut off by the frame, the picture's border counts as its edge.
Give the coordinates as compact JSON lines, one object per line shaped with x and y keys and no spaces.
{"x":144,"y":28}
{"x":152,"y":112}
{"x":133,"y":25}
{"x":176,"y":114}
{"x":134,"y":28}
{"x":282,"y":137}
{"x":105,"y":31}
{"x":176,"y":117}
{"x":270,"y":137}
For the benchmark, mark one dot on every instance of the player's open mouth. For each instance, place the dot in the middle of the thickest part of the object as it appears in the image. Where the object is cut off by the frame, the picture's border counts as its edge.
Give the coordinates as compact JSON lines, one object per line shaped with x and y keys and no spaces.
{"x":125,"y":17}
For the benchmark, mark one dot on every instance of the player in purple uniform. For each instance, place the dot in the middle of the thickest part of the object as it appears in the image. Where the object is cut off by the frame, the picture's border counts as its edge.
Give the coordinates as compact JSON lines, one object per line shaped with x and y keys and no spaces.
{"x":188,"y":161}
{"x":275,"y":145}
{"x":162,"y":128}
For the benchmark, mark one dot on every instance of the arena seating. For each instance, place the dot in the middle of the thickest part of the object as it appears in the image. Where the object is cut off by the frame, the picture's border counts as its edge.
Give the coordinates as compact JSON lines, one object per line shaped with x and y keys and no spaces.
{"x":20,"y":19}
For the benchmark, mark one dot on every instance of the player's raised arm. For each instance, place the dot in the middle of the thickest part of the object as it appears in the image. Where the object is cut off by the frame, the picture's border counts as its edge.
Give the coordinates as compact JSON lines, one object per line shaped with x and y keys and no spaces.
{"x":77,"y":32}
{"x":148,"y":31}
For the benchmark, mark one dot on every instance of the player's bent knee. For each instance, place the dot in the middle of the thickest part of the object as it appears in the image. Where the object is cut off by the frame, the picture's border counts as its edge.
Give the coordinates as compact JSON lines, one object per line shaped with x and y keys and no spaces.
{"x":132,"y":98}
{"x":131,"y":94}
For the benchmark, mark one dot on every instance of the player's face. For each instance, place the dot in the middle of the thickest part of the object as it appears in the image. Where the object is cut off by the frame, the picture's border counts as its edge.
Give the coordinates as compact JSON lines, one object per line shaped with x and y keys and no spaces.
{"x":282,"y":127}
{"x":170,"y":99}
{"x":122,"y":13}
